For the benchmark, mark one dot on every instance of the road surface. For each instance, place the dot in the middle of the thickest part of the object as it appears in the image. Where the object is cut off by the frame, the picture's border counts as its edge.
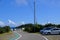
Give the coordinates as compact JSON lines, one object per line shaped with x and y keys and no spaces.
{"x":29,"y":36}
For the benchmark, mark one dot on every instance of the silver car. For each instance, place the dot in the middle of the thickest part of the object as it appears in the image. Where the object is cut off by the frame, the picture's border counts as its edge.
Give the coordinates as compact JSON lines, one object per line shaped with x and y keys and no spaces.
{"x":50,"y":31}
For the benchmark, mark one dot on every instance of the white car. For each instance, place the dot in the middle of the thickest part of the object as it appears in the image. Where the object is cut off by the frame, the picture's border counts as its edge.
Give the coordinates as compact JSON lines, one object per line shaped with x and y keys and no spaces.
{"x":50,"y":31}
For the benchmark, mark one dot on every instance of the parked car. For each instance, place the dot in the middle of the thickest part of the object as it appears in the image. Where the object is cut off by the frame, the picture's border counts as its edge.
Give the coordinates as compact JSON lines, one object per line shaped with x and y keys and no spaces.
{"x":47,"y":28}
{"x":50,"y":31}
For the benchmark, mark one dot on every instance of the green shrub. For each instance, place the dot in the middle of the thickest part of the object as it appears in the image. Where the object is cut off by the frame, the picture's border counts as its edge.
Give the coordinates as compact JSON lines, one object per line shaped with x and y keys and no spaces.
{"x":4,"y":29}
{"x":7,"y":28}
{"x":33,"y":28}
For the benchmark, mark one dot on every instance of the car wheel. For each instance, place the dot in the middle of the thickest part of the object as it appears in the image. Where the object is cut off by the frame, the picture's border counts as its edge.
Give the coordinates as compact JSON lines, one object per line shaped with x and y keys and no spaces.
{"x":43,"y":33}
{"x":59,"y":33}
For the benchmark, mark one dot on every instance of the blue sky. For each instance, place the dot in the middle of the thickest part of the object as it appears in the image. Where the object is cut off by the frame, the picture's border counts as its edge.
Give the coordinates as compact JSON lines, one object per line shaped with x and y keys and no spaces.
{"x":21,"y":11}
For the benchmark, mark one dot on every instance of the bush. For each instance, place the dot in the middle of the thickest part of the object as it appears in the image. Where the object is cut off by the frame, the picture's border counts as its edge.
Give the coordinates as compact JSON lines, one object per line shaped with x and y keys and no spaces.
{"x":36,"y":27}
{"x":4,"y":29}
{"x":7,"y":28}
{"x":28,"y":29}
{"x":58,"y":25}
{"x":33,"y":28}
{"x":50,"y":25}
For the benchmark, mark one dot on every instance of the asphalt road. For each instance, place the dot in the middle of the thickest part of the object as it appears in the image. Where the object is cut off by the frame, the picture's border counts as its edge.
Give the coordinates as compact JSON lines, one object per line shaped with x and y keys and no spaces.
{"x":29,"y":36}
{"x":52,"y":37}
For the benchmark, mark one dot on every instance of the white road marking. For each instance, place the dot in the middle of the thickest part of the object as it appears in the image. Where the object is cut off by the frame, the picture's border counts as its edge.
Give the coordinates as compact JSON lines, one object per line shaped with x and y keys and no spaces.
{"x":19,"y":35}
{"x":44,"y":37}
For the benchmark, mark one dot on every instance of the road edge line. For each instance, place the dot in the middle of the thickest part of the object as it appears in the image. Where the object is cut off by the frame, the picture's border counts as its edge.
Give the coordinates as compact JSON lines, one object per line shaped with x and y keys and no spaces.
{"x":19,"y":35}
{"x":44,"y":37}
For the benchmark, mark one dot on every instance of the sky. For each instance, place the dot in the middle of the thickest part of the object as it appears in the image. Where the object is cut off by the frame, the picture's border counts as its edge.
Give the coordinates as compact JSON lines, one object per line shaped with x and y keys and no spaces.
{"x":17,"y":12}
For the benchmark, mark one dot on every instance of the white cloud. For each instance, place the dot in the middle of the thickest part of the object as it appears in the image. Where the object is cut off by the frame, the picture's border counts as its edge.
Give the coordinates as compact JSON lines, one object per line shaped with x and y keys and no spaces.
{"x":12,"y":22}
{"x":2,"y":23}
{"x":21,"y":2}
{"x":22,"y":22}
{"x":51,"y":3}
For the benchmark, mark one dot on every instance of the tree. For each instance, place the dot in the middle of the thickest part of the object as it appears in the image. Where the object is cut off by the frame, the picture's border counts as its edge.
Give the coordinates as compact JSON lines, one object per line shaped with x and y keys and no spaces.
{"x":58,"y":25}
{"x":2,"y":30}
{"x":50,"y":25}
{"x":7,"y":28}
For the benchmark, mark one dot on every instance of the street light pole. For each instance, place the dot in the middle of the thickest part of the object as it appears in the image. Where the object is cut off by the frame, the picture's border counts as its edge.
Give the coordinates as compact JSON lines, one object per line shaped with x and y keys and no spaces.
{"x":34,"y":12}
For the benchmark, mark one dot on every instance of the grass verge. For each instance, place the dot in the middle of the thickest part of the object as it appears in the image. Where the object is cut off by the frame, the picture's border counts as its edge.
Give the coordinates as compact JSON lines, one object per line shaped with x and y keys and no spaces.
{"x":6,"y":36}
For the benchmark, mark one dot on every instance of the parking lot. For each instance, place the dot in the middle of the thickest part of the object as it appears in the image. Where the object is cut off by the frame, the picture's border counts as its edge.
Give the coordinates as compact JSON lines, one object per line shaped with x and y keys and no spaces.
{"x":52,"y":37}
{"x":37,"y":36}
{"x":51,"y":33}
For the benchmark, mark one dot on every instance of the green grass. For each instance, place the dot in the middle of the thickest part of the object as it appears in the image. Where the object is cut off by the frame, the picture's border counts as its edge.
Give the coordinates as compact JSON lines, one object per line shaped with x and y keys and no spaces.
{"x":15,"y":36}
{"x":5,"y":36}
{"x":6,"y":33}
{"x":9,"y":36}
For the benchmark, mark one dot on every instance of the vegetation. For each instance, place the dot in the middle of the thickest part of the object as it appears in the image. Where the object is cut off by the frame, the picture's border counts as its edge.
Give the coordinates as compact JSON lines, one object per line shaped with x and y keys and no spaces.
{"x":50,"y":25}
{"x":4,"y":29}
{"x":37,"y":27}
{"x":31,"y":27}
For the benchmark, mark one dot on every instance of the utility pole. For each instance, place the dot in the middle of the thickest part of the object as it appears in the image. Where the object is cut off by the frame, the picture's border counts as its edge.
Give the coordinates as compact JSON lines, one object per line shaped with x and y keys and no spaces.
{"x":34,"y":14}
